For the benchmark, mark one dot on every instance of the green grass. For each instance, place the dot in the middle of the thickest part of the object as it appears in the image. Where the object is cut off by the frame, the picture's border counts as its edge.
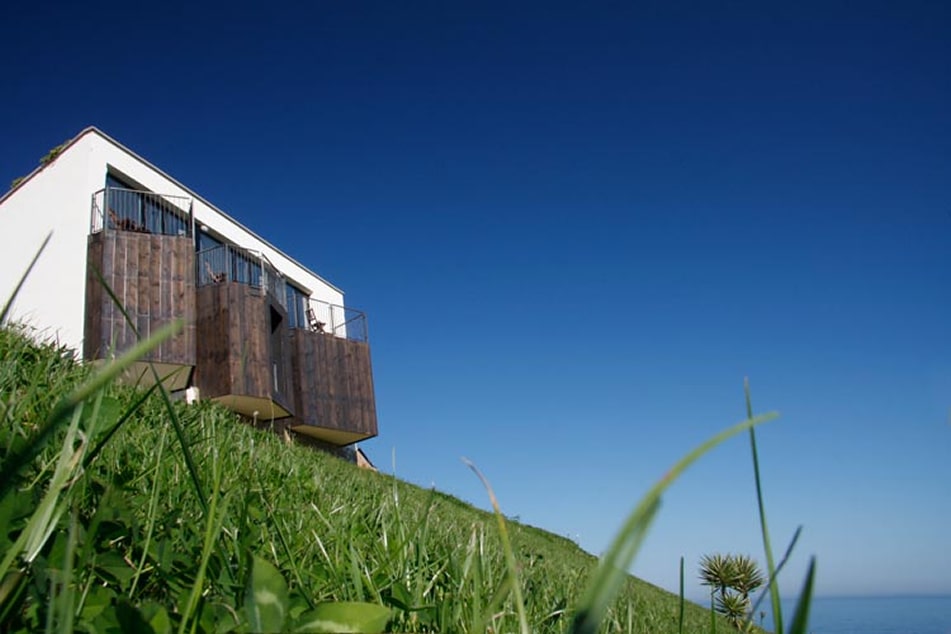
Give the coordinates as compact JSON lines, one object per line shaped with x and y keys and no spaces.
{"x":125,"y":512}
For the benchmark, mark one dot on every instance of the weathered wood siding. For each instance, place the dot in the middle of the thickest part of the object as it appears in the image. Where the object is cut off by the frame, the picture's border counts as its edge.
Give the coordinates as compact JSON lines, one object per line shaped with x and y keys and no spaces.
{"x":234,"y":350}
{"x":153,"y":276}
{"x":333,"y":383}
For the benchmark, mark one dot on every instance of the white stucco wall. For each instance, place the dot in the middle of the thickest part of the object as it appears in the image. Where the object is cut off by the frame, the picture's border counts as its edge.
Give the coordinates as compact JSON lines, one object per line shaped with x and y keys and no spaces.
{"x":58,"y":199}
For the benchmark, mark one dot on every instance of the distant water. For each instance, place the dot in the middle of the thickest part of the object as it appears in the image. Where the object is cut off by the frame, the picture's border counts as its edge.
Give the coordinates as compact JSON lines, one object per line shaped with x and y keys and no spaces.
{"x":872,"y":615}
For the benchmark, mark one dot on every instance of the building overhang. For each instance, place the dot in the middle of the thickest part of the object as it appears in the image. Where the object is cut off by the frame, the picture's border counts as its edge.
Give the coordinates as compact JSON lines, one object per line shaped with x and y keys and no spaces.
{"x":256,"y":407}
{"x":333,"y":436}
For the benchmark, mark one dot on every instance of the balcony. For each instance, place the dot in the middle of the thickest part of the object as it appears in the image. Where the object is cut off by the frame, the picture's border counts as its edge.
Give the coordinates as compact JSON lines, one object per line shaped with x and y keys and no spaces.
{"x":140,"y":244}
{"x":242,"y":331}
{"x":135,"y":211}
{"x":332,"y":378}
{"x":251,"y":342}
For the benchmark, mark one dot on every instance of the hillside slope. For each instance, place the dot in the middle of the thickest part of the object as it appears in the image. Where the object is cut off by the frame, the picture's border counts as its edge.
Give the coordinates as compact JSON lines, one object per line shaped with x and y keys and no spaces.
{"x":133,"y":516}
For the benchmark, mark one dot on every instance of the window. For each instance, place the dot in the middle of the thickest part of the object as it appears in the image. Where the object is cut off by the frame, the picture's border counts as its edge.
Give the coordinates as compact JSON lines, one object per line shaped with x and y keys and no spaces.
{"x":133,"y":209}
{"x":207,"y":241}
{"x":296,"y":303}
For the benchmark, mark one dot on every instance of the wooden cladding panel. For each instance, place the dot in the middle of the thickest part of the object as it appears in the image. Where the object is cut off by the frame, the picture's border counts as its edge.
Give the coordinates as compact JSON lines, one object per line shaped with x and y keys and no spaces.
{"x":235,"y":355}
{"x":92,"y":326}
{"x":153,"y":277}
{"x":333,"y":383}
{"x":213,"y":374}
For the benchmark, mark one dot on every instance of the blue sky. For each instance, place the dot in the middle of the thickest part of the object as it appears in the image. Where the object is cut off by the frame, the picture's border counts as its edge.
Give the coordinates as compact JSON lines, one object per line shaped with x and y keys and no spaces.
{"x":576,"y":228}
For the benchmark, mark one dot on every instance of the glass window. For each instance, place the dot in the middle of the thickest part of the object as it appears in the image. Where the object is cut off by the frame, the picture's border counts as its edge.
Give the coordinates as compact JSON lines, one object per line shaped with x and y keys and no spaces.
{"x":207,"y":241}
{"x":137,"y":210}
{"x":296,"y":299}
{"x":123,"y":207}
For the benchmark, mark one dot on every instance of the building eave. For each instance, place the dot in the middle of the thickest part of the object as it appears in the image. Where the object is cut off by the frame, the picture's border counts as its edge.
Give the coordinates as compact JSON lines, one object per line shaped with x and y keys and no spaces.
{"x":102,"y":135}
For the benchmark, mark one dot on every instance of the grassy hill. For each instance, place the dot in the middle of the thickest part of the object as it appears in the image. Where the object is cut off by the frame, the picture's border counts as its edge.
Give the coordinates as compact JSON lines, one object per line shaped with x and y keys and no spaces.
{"x":120,"y":512}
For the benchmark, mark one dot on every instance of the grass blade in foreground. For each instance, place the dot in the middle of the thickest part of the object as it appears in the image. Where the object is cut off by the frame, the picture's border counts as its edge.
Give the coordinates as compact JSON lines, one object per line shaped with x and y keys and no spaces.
{"x":770,"y":562}
{"x":507,"y":545}
{"x":613,"y":567}
{"x":779,"y":568}
{"x":63,"y":409}
{"x":26,"y":274}
{"x":680,"y":619}
{"x":801,"y":617}
{"x":173,"y":416}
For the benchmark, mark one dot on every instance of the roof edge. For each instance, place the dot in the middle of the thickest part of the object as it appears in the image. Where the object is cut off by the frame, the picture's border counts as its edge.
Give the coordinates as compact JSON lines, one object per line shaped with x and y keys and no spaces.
{"x":65,"y":146}
{"x":94,"y":130}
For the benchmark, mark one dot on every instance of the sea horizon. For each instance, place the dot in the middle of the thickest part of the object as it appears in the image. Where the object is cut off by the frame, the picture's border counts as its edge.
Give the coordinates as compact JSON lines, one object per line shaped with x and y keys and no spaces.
{"x":870,"y":614}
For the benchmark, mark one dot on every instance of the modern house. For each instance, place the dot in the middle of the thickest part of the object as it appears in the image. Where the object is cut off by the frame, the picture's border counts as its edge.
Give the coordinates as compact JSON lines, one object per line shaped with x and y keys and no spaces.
{"x":263,"y":335}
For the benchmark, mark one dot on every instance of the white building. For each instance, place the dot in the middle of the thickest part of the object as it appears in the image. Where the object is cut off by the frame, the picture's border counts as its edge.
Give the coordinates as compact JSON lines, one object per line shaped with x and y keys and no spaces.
{"x":264,"y":335}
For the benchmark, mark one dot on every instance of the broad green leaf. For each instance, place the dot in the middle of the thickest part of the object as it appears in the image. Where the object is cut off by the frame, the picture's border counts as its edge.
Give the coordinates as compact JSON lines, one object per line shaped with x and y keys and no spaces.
{"x":97,"y":600}
{"x":157,"y":617}
{"x":265,"y":600}
{"x":345,"y":617}
{"x":400,"y":597}
{"x":113,"y":568}
{"x":131,"y":620}
{"x":14,"y":509}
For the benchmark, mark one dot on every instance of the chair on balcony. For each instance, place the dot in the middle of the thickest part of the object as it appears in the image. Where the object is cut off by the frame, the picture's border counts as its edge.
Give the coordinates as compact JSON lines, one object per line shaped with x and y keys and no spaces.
{"x":216,"y":278}
{"x":126,"y":224}
{"x":313,"y":322}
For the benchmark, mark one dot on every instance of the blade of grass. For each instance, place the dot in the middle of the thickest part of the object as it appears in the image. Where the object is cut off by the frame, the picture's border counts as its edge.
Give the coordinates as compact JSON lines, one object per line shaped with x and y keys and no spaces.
{"x":801,"y":618}
{"x":152,"y":512}
{"x":779,"y":568}
{"x":53,"y":504}
{"x":106,"y":437}
{"x":61,"y":411}
{"x":613,"y":567}
{"x":64,"y":596}
{"x":214,"y":520}
{"x":277,"y":525}
{"x":507,"y":547}
{"x":680,"y":621}
{"x":173,"y":415}
{"x":770,"y":563}
{"x":26,"y":274}
{"x":12,"y":589}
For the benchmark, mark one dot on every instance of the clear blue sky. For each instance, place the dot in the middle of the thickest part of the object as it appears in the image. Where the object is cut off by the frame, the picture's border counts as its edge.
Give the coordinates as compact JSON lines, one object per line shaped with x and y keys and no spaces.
{"x":576,"y":227}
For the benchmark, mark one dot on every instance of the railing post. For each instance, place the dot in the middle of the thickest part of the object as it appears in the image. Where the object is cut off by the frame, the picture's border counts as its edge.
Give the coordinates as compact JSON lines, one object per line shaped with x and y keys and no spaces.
{"x":263,"y":273}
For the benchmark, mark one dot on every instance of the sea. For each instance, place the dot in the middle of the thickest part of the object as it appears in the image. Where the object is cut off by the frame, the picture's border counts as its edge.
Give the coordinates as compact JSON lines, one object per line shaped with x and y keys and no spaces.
{"x":871,"y":615}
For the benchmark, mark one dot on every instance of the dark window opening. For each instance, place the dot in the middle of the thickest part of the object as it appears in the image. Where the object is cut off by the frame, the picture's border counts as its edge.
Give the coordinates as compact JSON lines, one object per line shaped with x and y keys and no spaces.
{"x":277,"y":348}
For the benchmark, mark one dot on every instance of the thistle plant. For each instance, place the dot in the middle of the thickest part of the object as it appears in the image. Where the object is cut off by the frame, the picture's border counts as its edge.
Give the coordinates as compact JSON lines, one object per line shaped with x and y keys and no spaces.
{"x":732,"y":578}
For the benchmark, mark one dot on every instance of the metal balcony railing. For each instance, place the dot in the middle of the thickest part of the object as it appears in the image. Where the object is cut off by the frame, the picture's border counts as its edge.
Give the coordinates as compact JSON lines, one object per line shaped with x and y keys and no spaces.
{"x":332,"y":319}
{"x":118,"y":209}
{"x":228,"y":263}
